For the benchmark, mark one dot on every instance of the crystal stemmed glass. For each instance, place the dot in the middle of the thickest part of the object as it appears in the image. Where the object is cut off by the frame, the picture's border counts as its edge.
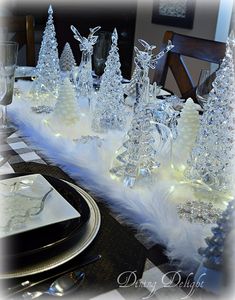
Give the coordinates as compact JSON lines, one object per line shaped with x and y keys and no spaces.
{"x":8,"y":58}
{"x":204,"y":86}
{"x":101,"y":50}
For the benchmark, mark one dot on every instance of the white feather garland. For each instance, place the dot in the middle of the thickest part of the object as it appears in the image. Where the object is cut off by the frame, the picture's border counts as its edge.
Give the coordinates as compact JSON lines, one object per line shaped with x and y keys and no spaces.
{"x":150,"y":208}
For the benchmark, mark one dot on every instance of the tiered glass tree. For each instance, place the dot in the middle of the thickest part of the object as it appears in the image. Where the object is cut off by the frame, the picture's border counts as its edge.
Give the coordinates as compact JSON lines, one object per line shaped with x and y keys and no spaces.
{"x":211,"y":159}
{"x":47,"y":74}
{"x":139,"y":156}
{"x":109,"y":110}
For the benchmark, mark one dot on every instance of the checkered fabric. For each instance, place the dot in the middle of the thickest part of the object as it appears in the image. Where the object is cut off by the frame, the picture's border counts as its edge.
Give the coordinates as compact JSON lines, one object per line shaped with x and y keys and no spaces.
{"x":18,"y":150}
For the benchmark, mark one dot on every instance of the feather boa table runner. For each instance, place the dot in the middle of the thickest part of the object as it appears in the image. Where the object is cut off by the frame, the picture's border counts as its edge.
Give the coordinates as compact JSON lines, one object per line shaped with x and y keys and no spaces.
{"x":151,"y":207}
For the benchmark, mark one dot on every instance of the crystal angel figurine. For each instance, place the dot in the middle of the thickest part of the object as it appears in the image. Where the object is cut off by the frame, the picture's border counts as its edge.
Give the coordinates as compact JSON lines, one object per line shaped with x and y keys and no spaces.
{"x":84,"y":84}
{"x":144,"y":60}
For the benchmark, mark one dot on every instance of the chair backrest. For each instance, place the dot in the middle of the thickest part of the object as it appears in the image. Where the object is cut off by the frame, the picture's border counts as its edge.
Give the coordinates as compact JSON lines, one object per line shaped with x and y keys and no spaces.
{"x":184,"y":45}
{"x":22,"y":29}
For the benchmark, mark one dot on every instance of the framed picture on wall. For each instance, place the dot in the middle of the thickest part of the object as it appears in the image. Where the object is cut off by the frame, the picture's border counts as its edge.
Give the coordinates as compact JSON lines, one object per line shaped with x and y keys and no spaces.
{"x":178,"y":13}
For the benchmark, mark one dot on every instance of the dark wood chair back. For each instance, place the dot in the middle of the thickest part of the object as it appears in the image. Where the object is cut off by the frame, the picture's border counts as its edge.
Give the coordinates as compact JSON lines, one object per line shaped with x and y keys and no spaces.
{"x":184,"y":45}
{"x":22,"y":29}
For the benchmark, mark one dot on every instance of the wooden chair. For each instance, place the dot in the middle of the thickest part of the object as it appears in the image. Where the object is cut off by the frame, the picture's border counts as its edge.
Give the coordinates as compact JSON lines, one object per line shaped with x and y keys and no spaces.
{"x":22,"y":28}
{"x":184,"y":45}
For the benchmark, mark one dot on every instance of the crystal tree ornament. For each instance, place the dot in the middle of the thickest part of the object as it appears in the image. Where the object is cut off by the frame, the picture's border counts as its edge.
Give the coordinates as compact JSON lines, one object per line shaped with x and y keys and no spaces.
{"x":109,"y":110}
{"x":66,"y":107}
{"x":187,"y":128}
{"x":139,"y":157}
{"x":47,"y":74}
{"x":211,"y":158}
{"x":84,"y":84}
{"x":214,"y":255}
{"x":67,"y":61}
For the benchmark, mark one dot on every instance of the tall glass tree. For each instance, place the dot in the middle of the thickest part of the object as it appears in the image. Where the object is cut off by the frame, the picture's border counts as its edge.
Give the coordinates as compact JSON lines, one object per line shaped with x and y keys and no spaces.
{"x":47,"y":74}
{"x":212,"y":156}
{"x":109,"y":110}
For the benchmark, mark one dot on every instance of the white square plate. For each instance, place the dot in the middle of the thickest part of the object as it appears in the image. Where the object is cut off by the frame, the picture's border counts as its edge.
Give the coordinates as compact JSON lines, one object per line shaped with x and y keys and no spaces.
{"x":15,"y":196}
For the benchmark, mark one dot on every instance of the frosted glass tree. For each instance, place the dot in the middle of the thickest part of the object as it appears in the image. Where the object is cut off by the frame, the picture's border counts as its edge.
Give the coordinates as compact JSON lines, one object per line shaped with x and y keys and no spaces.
{"x":109,"y":110}
{"x":47,"y":74}
{"x":211,"y":159}
{"x":84,"y":84}
{"x":66,"y":107}
{"x":187,"y":128}
{"x":67,"y":61}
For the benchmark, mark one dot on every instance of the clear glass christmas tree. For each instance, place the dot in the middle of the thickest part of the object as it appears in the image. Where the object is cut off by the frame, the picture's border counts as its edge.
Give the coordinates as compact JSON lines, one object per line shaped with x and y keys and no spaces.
{"x":67,"y":61}
{"x":84,"y":82}
{"x":47,"y":74}
{"x":138,"y":154}
{"x":109,"y":110}
{"x":138,"y":159}
{"x":212,"y":156}
{"x":66,"y":108}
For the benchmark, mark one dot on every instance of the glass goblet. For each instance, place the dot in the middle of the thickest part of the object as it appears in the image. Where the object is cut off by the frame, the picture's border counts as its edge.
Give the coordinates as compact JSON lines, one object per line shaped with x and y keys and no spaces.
{"x":204,"y":86}
{"x":100,"y":53}
{"x":8,"y":59}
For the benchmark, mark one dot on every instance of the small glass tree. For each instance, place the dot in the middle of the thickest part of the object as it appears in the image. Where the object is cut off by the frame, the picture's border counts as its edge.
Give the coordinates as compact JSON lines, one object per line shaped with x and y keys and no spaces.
{"x":67,"y":61}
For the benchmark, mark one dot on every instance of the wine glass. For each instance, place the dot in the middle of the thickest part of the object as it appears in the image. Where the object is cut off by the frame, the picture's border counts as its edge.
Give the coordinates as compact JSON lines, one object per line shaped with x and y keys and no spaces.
{"x":204,"y":86}
{"x":100,"y":53}
{"x":8,"y":58}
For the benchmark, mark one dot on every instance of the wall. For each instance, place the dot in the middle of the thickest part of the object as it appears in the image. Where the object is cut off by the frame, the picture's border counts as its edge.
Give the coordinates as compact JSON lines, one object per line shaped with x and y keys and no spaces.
{"x":205,"y":20}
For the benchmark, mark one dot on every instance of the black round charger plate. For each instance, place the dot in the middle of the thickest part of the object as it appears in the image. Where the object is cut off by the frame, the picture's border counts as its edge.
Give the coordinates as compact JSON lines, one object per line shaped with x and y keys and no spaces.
{"x":42,"y":242}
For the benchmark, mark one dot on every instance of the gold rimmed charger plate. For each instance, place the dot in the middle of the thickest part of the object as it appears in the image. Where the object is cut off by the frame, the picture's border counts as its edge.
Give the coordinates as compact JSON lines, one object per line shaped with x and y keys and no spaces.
{"x":90,"y":231}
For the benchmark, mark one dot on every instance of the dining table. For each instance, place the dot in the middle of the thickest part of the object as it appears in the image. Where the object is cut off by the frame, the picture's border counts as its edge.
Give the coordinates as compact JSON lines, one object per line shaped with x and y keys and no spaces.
{"x":129,"y":267}
{"x":122,"y":250}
